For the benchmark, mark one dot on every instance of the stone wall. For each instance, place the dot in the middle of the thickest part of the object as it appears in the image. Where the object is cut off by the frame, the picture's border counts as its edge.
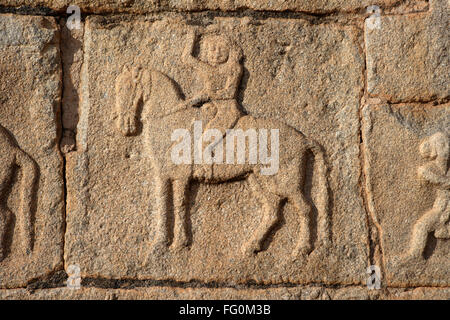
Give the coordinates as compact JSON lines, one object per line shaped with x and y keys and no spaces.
{"x":356,"y":93}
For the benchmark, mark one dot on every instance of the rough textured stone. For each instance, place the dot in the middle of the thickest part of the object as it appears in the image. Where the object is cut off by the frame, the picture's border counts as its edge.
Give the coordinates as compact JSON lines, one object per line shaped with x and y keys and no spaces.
{"x":406,"y":154}
{"x":420,"y":294}
{"x":407,"y":55}
{"x":31,"y":182}
{"x":143,"y":6}
{"x":359,"y":90}
{"x":306,"y":76}
{"x":281,"y":293}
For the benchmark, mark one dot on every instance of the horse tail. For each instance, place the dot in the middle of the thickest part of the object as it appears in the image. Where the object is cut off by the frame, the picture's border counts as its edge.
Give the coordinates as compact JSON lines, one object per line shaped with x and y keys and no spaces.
{"x":29,"y":180}
{"x":323,"y":220}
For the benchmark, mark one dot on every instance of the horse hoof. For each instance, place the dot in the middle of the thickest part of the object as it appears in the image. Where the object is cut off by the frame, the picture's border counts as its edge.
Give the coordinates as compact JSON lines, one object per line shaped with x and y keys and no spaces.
{"x":180,"y":246}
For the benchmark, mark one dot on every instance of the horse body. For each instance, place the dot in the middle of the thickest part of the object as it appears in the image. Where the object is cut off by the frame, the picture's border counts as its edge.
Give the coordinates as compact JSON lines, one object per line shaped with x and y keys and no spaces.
{"x":162,"y":115}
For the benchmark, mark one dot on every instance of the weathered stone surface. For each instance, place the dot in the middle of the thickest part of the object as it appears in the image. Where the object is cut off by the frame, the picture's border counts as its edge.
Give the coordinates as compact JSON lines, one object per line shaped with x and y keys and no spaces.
{"x":406,"y":153}
{"x":407,"y":55}
{"x":420,"y":294}
{"x":281,"y":293}
{"x":31,"y":182}
{"x":306,"y":76}
{"x":143,"y":6}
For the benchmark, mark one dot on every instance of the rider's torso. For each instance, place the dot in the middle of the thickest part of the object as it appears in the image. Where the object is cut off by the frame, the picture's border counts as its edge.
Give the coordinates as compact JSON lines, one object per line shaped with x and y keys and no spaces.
{"x":216,"y":81}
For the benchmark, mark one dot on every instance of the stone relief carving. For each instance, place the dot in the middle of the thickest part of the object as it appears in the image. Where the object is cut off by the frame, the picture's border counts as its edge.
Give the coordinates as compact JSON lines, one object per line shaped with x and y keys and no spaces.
{"x":164,"y":110}
{"x":435,"y":149}
{"x":12,"y":157}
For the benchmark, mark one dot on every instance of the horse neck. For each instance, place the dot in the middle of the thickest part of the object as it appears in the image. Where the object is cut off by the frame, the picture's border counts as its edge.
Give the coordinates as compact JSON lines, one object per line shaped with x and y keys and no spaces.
{"x":161,"y":96}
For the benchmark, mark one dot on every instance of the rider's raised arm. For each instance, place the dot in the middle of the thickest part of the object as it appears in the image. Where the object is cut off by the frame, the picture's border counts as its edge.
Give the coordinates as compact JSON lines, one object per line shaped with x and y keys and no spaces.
{"x":234,"y":79}
{"x":426,"y":173}
{"x":188,"y":57}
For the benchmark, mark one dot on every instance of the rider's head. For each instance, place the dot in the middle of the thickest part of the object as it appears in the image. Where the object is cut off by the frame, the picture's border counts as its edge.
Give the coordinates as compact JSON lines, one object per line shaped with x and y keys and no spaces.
{"x":217,"y":49}
{"x":435,"y":146}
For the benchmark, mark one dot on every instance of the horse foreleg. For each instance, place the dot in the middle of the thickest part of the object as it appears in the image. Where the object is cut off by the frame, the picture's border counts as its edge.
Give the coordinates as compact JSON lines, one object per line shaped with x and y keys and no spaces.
{"x":271,"y":206}
{"x":162,"y":201}
{"x":180,"y":202}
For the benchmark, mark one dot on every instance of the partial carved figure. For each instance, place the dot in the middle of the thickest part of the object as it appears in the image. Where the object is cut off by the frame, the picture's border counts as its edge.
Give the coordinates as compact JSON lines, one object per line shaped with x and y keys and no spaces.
{"x":164,"y":108}
{"x":436,"y":149}
{"x":11,"y":157}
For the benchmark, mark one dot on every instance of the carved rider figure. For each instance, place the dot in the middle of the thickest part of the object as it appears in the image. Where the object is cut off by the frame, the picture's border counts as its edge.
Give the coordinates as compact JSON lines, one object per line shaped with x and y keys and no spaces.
{"x":437,"y":150}
{"x":221,"y":73}
{"x":220,"y":69}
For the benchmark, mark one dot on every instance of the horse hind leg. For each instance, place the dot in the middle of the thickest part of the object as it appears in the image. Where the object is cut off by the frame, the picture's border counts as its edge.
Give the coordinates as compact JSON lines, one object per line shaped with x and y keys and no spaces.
{"x":4,"y":220}
{"x":271,"y":205}
{"x":304,"y":208}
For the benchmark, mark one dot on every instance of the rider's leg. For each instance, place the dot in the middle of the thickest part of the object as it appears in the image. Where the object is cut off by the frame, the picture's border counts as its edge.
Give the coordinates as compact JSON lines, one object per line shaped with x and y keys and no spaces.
{"x":226,"y":117}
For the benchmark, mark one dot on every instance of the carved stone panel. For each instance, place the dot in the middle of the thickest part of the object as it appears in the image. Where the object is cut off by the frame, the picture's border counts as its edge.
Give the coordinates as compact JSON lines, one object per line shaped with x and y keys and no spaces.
{"x":31,"y":182}
{"x":134,"y":211}
{"x":407,"y":175}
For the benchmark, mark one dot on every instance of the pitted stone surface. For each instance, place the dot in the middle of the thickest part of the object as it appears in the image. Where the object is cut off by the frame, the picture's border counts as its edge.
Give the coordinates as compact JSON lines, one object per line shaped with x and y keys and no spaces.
{"x":31,"y":181}
{"x":281,"y":293}
{"x":101,"y":177}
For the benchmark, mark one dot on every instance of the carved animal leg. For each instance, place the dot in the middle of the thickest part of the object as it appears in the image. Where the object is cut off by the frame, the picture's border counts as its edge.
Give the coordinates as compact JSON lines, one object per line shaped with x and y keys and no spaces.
{"x":443,"y":230}
{"x":304,"y":209}
{"x":180,"y":201}
{"x":271,"y":206}
{"x":3,"y":225}
{"x":161,"y":235}
{"x":426,"y":224}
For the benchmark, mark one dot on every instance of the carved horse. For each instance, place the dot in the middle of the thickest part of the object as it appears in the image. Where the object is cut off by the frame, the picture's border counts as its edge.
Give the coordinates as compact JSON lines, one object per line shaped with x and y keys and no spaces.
{"x":10,"y":158}
{"x":160,"y":100}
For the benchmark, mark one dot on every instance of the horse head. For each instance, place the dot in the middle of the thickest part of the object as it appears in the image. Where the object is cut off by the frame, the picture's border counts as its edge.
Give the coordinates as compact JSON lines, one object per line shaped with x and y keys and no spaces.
{"x":128,"y":97}
{"x":135,"y":87}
